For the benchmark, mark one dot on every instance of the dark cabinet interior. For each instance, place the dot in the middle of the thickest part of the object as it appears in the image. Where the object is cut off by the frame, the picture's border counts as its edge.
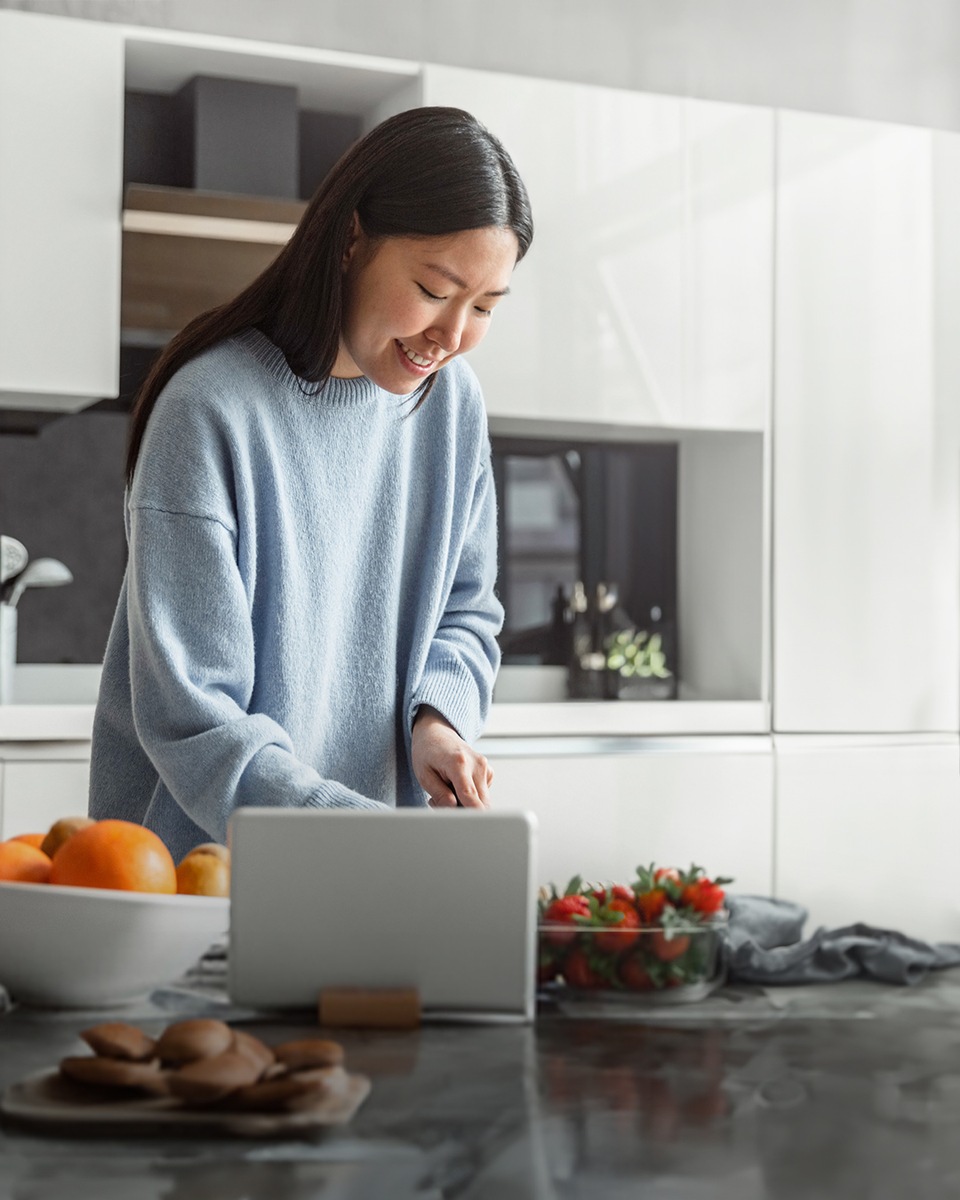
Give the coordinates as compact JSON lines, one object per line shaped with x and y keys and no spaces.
{"x":587,"y":512}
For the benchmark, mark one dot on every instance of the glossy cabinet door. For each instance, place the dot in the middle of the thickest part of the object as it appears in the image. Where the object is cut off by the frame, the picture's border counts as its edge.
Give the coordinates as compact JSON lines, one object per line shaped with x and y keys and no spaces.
{"x":665,"y":800}
{"x":727,"y":316}
{"x":868,"y":832}
{"x":61,"y":158}
{"x":866,"y":448}
{"x":646,"y":298}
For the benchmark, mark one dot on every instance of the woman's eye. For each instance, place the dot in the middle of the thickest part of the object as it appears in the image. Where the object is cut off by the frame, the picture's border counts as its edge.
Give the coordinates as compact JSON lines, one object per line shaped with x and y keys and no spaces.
{"x":484,"y":312}
{"x":429,"y":294}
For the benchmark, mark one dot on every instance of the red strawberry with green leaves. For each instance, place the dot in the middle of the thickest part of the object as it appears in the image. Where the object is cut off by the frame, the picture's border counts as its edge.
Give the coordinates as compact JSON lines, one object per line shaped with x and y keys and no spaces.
{"x":621,"y":923}
{"x":704,"y":896}
{"x":655,"y":886}
{"x":548,"y":962}
{"x":668,"y":947}
{"x":651,"y":904}
{"x":634,"y":975}
{"x":616,"y":891}
{"x":579,"y":973}
{"x":564,"y":910}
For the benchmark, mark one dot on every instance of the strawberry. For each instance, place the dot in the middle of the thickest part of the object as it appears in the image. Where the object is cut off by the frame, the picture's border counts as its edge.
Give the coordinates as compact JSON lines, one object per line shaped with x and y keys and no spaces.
{"x":668,"y":949}
{"x":578,"y":972}
{"x":564,"y":910}
{"x":656,"y":887}
{"x":634,"y":975}
{"x":616,"y":891}
{"x":651,"y":904}
{"x":704,"y":896}
{"x":548,"y":961}
{"x":619,"y":932}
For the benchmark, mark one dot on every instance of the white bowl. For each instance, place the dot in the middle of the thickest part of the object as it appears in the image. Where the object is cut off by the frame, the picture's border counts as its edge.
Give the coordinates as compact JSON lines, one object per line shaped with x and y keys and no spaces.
{"x":73,"y":947}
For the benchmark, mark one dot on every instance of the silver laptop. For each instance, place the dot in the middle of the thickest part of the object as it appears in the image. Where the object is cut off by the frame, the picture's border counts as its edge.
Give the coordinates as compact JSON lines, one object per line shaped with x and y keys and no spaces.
{"x":440,"y":900}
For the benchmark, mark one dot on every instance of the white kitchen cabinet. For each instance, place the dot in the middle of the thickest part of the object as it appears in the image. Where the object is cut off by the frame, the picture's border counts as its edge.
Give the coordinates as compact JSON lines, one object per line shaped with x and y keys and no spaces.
{"x":38,"y":786}
{"x":866,"y":452}
{"x":727,"y":315}
{"x":632,"y":802}
{"x":646,"y":298}
{"x":61,"y":156}
{"x":869,"y":830}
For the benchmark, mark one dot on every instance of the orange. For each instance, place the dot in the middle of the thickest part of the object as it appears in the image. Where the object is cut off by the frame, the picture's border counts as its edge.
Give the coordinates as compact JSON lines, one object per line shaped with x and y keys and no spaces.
{"x":20,"y":863}
{"x":61,"y":831}
{"x":115,"y":854}
{"x":31,"y":839}
{"x":202,"y":873}
{"x":214,"y":848}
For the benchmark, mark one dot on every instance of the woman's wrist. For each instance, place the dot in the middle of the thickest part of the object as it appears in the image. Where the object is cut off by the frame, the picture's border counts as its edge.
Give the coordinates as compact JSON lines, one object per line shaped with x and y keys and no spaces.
{"x":430,"y":715}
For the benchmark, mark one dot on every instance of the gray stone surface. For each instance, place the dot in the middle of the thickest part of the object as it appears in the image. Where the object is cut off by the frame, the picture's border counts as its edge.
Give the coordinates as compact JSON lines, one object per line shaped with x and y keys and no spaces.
{"x":848,"y":1091}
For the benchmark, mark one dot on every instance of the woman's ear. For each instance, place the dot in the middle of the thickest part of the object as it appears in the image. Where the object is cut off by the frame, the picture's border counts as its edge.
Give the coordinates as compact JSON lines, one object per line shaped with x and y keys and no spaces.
{"x":353,"y":241}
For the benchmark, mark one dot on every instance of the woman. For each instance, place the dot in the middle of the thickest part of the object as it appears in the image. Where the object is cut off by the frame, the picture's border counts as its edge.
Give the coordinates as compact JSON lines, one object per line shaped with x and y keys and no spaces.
{"x":308,"y":618}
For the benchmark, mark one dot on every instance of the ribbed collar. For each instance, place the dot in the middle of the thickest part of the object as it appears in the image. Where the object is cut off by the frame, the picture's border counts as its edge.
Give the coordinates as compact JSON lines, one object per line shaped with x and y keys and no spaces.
{"x":343,"y":392}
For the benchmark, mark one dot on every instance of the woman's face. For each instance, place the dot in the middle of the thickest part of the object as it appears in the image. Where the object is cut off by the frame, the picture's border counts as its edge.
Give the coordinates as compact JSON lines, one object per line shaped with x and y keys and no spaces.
{"x":412,"y":304}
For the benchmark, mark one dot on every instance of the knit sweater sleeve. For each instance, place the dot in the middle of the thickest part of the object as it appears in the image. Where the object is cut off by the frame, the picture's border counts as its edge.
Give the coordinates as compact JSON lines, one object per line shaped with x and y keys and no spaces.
{"x":192,"y":678}
{"x":464,"y":655}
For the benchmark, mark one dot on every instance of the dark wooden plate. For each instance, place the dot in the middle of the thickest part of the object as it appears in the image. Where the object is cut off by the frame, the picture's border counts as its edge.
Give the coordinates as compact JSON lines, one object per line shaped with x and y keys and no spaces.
{"x":47,"y":1099}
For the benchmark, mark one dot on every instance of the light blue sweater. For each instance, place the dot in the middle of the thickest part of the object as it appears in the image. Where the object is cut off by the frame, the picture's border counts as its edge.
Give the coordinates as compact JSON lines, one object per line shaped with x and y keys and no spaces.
{"x":304,"y":572}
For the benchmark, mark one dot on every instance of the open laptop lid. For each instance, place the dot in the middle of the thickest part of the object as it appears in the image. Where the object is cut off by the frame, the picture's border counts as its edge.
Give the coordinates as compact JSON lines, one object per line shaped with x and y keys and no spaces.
{"x":441,"y":900}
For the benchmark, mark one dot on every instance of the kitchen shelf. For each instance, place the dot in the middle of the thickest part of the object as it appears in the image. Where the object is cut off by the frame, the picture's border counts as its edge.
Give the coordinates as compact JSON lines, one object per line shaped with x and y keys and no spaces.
{"x":56,"y":703}
{"x":46,"y":722}
{"x":625,"y":718}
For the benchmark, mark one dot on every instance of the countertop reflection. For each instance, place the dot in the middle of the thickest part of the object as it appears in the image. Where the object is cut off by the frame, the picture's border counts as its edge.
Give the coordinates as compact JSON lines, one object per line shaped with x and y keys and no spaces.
{"x":846,"y":1091}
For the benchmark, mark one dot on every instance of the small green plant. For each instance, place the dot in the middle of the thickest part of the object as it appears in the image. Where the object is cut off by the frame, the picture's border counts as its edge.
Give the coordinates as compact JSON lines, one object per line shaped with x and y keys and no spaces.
{"x":633,"y":652}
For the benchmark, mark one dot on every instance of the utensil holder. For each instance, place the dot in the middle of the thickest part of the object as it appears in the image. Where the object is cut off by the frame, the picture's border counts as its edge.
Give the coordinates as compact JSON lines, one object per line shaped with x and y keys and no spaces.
{"x":8,"y":651}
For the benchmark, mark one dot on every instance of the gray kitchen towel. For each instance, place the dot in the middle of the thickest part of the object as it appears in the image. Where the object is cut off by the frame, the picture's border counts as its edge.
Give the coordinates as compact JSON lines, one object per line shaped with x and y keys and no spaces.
{"x":763,"y":943}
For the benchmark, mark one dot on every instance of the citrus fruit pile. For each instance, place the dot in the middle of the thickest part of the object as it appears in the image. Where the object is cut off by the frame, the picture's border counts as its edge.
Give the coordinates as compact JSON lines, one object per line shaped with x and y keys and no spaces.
{"x":80,"y":852}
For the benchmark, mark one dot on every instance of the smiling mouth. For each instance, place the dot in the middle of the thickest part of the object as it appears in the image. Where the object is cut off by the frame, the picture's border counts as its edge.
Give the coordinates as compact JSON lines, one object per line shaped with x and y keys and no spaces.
{"x":416,"y":359}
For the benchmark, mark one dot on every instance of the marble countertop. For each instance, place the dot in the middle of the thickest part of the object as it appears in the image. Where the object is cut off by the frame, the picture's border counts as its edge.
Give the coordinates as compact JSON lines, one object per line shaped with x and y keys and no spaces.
{"x":850,"y":1090}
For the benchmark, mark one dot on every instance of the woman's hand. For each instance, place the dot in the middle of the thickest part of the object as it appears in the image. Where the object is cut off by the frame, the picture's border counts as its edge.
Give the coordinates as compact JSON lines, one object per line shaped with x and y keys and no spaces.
{"x":446,"y":767}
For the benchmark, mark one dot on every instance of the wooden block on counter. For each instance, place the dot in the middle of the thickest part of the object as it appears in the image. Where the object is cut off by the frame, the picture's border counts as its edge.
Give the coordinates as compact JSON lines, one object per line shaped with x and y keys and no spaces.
{"x":370,"y":1008}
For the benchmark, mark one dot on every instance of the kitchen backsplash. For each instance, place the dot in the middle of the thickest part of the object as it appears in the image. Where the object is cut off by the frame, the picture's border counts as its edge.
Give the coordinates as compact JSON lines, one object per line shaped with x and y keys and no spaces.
{"x":568,"y":511}
{"x":61,"y":494}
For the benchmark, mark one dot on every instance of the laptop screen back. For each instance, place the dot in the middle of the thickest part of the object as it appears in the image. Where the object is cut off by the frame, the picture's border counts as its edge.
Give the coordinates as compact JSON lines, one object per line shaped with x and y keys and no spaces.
{"x":440,"y":900}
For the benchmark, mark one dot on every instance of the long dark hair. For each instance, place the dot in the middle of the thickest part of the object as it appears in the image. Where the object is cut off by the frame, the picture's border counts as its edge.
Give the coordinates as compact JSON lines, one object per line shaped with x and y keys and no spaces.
{"x":425,"y":172}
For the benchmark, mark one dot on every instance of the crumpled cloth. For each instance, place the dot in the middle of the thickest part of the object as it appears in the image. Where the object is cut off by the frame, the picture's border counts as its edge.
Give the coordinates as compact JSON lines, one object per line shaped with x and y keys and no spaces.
{"x":763,"y":943}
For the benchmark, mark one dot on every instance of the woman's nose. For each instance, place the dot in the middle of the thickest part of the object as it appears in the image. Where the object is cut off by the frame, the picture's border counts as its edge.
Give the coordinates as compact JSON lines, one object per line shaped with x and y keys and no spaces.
{"x":447,"y":334}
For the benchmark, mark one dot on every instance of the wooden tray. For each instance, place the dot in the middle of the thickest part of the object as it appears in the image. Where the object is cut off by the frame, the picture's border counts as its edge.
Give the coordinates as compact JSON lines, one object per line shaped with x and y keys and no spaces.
{"x":47,"y":1099}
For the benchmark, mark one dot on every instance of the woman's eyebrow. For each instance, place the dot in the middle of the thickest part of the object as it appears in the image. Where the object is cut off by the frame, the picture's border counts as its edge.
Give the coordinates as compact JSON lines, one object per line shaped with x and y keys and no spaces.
{"x":458,"y":281}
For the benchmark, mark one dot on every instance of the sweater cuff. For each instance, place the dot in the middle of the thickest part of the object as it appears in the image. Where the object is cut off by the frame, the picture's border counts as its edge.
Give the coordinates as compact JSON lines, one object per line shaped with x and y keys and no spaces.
{"x":334,"y":795}
{"x":452,"y":691}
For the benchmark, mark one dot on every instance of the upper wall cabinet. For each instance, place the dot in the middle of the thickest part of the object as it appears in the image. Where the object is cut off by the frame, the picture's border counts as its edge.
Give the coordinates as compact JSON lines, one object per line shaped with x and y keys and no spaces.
{"x":646,"y":298}
{"x":61,"y":151}
{"x":866,"y":596}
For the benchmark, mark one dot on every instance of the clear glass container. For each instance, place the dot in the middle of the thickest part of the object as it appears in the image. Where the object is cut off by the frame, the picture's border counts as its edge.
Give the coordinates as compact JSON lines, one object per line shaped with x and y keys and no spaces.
{"x":650,"y":965}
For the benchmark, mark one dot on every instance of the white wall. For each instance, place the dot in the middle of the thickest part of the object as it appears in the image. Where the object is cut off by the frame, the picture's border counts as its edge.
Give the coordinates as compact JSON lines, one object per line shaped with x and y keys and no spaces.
{"x":893,"y":60}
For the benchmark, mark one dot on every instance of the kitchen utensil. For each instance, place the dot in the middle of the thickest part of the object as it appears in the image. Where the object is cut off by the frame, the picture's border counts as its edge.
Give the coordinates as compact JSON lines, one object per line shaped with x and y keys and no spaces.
{"x":80,"y":947}
{"x":8,"y":651}
{"x":13,"y":557}
{"x":42,"y":572}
